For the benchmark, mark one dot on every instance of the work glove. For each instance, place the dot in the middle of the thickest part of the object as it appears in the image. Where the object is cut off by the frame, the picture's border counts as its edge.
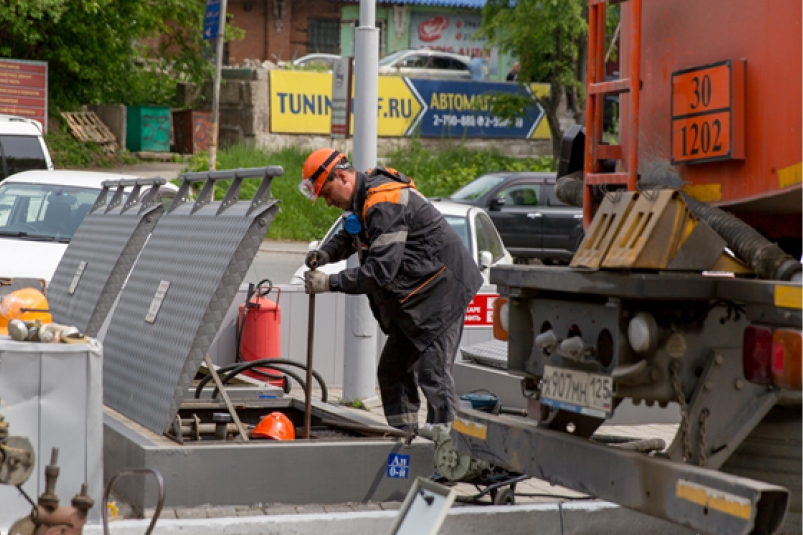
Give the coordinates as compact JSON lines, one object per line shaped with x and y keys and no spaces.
{"x":316,"y":282}
{"x":321,"y":256}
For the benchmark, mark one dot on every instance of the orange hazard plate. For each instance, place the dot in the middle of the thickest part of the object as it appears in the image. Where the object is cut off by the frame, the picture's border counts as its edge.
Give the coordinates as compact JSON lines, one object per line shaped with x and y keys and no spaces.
{"x":708,"y":113}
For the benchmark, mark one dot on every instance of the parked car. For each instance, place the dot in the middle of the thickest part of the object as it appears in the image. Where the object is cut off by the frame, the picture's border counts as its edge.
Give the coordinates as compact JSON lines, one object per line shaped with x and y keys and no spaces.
{"x":472,"y":224}
{"x":533,"y":223}
{"x":318,"y":62}
{"x":22,"y":146}
{"x":39,"y":214}
{"x":425,"y":64}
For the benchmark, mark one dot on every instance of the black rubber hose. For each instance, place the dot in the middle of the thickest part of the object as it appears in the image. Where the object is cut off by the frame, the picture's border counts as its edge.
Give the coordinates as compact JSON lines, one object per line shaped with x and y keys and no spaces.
{"x":223,"y":369}
{"x":248,"y":366}
{"x":569,"y":190}
{"x":766,"y":259}
{"x":259,"y":363}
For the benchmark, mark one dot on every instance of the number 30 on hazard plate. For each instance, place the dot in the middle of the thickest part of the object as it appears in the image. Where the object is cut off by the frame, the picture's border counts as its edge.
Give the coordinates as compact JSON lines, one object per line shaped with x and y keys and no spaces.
{"x":576,"y":391}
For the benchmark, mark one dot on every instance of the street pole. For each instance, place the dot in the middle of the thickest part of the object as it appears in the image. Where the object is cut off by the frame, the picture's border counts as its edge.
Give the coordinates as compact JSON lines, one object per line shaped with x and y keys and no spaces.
{"x":360,"y":340}
{"x":216,"y":90}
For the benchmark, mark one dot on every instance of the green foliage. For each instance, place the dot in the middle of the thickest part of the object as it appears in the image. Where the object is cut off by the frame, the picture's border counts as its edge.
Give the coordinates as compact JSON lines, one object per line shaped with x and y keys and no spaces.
{"x":297,"y":219}
{"x":435,"y":174}
{"x":441,"y":173}
{"x":69,"y":153}
{"x":96,"y":49}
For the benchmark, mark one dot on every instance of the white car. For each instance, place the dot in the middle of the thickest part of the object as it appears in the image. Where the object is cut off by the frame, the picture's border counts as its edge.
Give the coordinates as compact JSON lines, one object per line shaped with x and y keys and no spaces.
{"x":471,"y":223}
{"x":22,"y":146}
{"x":39,"y":213}
{"x":425,"y":63}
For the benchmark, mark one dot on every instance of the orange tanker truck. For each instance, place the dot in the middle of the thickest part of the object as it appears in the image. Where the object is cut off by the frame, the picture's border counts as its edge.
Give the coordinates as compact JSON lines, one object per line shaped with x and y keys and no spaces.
{"x":687,"y":286}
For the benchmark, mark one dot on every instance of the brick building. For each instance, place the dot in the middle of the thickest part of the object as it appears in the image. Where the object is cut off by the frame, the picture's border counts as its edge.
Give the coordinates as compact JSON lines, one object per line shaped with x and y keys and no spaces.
{"x":288,"y":29}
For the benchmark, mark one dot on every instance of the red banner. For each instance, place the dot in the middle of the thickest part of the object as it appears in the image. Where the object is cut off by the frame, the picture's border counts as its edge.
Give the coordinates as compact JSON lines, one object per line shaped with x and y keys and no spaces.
{"x":23,"y":89}
{"x":480,"y":310}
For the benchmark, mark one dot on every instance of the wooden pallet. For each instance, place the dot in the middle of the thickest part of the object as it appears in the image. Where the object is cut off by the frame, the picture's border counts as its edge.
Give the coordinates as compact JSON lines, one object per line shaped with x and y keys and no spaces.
{"x":87,"y":127}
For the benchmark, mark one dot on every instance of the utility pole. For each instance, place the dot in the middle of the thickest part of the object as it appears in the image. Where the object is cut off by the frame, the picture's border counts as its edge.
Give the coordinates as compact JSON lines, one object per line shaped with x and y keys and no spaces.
{"x":216,"y":90}
{"x":360,"y":341}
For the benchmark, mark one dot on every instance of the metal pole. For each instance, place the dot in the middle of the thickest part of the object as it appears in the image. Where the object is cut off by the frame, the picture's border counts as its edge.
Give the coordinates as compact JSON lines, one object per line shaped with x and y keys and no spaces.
{"x":310,"y":343}
{"x":360,"y":340}
{"x":216,"y":90}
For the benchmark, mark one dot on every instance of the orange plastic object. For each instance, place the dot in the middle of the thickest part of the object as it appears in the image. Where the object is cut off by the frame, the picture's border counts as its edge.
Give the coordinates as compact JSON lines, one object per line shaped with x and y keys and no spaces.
{"x":24,"y":304}
{"x":276,"y":426}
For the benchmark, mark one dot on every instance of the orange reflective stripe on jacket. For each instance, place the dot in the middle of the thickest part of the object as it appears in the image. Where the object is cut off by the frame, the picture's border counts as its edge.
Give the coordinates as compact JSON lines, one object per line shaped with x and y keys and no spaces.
{"x":389,"y":192}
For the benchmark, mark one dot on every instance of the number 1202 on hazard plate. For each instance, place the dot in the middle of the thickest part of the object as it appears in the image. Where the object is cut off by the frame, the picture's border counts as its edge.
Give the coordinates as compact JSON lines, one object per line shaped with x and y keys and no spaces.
{"x":576,"y":391}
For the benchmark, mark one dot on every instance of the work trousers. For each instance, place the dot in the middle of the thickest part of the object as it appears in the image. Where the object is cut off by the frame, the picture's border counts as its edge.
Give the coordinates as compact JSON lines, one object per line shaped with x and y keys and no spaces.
{"x":403,"y":368}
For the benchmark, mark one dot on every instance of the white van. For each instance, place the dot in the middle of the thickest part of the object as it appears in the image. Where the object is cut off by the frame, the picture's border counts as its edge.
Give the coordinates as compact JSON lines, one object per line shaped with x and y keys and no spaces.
{"x":22,"y":147}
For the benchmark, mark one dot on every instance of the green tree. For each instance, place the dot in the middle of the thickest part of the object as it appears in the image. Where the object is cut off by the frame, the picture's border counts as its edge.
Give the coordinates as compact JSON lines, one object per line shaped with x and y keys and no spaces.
{"x":550,"y":39}
{"x":124,"y":51}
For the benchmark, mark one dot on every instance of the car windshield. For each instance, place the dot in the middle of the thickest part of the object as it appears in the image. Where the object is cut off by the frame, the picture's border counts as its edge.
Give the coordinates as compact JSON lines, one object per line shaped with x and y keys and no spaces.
{"x":460,"y":225}
{"x":43,"y":211}
{"x":390,"y":58}
{"x":20,"y":153}
{"x":477,"y":187}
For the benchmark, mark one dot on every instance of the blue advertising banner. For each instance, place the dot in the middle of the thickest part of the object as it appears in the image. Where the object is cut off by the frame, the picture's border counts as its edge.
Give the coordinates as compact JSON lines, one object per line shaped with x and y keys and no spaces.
{"x":464,"y":109}
{"x":301,"y":103}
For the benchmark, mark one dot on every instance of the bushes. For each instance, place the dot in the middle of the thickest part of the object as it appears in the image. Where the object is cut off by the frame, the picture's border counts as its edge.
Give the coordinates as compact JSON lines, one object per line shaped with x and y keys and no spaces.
{"x":434,"y":173}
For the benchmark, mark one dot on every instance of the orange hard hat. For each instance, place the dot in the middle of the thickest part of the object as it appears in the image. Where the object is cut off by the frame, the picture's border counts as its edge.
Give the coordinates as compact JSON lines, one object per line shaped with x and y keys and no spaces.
{"x":24,"y":304}
{"x":276,"y":426}
{"x":317,"y":168}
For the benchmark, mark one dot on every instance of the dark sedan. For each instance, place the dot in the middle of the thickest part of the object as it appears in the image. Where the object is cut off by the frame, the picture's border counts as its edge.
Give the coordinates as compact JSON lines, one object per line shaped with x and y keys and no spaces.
{"x":533,"y":223}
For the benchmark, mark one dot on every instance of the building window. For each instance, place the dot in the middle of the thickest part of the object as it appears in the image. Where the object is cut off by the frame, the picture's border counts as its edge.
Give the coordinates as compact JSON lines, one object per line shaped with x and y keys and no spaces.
{"x":324,"y":36}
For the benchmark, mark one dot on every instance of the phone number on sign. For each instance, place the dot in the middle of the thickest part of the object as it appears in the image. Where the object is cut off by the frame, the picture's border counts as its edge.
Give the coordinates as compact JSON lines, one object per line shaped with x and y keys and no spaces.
{"x":445,"y":119}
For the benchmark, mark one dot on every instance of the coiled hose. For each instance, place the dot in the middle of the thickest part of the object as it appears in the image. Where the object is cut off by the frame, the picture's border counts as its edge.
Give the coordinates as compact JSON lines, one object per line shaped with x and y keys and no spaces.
{"x":766,"y":259}
{"x":235,"y":369}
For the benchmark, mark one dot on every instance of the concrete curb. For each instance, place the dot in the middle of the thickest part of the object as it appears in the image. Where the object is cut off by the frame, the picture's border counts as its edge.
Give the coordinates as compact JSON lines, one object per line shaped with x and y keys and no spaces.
{"x":576,"y":518}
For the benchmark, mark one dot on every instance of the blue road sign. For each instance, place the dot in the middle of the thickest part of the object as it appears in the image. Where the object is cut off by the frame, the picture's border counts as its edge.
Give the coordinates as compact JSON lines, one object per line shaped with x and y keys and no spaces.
{"x":212,"y":19}
{"x":458,"y":108}
{"x":398,"y":466}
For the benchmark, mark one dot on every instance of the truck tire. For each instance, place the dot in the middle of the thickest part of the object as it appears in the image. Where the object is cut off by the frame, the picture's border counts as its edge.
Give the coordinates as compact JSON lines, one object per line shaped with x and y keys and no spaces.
{"x":772,"y":453}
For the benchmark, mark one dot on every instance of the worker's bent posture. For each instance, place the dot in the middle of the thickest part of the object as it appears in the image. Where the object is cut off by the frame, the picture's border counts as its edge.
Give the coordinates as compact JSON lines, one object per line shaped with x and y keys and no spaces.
{"x":416,"y":271}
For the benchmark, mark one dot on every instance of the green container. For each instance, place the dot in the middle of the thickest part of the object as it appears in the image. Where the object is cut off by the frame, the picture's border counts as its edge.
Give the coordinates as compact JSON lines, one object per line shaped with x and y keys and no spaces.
{"x":147,"y":129}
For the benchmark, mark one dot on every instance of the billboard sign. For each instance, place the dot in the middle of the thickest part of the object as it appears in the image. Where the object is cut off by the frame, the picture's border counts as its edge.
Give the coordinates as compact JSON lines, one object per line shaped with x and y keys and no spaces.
{"x":299,"y":104}
{"x":452,"y":32}
{"x":23,"y":89}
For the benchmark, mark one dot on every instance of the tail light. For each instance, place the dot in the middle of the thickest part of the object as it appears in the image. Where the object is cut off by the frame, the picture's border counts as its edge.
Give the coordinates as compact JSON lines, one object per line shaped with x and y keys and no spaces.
{"x":756,"y":354}
{"x":786,"y":349}
{"x":500,"y":317}
{"x":772,"y":357}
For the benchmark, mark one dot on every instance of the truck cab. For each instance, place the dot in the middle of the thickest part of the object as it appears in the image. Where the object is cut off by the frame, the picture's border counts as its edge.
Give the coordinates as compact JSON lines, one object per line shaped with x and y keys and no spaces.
{"x":22,"y":146}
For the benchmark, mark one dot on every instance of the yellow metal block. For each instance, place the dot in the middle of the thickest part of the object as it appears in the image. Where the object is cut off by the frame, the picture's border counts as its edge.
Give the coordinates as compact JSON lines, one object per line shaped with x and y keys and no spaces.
{"x":789,"y":296}
{"x":705,"y":192}
{"x":731,"y":264}
{"x":607,"y":221}
{"x":789,"y":176}
{"x":654,"y":229}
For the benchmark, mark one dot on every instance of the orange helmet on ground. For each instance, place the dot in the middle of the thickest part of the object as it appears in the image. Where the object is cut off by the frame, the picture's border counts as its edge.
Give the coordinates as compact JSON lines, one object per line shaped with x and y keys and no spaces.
{"x":23,"y":304}
{"x":276,"y":426}
{"x":317,"y":168}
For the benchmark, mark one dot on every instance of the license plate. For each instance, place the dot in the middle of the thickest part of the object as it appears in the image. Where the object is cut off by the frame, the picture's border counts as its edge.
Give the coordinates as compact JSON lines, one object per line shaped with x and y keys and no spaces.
{"x":576,"y":391}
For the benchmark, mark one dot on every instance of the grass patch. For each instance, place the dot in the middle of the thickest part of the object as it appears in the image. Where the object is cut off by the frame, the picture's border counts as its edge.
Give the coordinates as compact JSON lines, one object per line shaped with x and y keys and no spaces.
{"x":436,"y":174}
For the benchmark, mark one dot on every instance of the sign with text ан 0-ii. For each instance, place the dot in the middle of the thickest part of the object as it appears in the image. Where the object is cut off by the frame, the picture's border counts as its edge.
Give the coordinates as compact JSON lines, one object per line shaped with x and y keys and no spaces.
{"x":708,"y":113}
{"x":23,"y":89}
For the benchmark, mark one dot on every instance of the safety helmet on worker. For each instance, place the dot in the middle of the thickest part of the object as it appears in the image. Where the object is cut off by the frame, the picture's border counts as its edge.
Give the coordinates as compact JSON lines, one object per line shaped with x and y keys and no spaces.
{"x":276,"y":426}
{"x":317,"y":168}
{"x":24,"y":304}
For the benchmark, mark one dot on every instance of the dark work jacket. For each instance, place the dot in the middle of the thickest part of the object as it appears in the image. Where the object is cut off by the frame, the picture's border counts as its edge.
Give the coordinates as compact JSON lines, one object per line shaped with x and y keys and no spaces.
{"x":414,"y":267}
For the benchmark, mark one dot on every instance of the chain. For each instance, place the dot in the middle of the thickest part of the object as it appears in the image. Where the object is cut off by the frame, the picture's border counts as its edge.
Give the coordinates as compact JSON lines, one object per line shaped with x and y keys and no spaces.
{"x":703,"y":415}
{"x":684,"y":409}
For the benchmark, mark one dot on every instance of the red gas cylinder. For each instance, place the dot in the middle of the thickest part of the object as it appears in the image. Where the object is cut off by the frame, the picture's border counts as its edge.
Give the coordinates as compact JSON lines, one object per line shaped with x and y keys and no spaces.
{"x":261,"y":336}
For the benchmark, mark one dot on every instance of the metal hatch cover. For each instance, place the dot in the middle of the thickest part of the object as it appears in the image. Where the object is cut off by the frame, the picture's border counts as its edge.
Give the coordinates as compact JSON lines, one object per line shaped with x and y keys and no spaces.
{"x":178,"y":294}
{"x":101,"y":253}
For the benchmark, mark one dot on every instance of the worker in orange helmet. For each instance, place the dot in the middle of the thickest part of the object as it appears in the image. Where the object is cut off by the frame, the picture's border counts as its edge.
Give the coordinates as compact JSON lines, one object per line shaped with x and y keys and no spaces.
{"x":417,"y":273}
